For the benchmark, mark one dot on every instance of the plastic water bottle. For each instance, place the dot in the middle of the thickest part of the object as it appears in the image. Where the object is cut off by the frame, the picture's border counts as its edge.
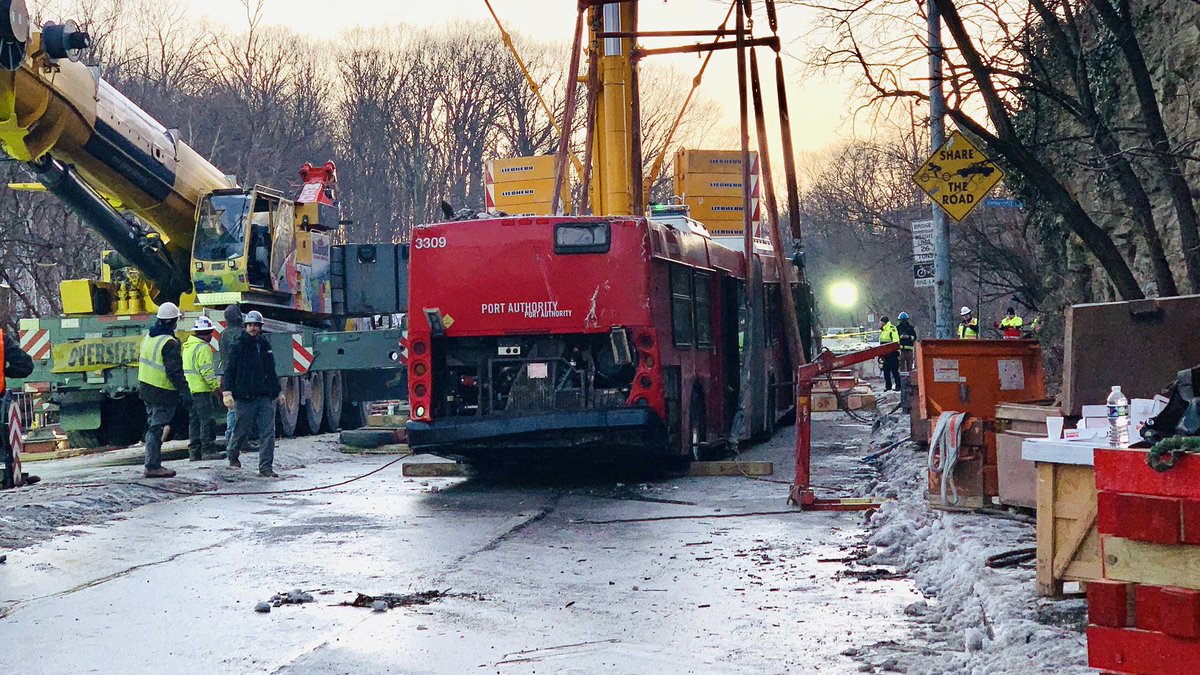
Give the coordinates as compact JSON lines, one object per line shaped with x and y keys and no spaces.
{"x":1118,"y":419}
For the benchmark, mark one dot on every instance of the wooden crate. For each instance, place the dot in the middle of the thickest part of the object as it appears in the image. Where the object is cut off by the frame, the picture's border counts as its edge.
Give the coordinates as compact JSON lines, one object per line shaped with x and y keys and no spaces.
{"x":1025,"y":418}
{"x":1068,"y":546}
{"x":1017,"y":476}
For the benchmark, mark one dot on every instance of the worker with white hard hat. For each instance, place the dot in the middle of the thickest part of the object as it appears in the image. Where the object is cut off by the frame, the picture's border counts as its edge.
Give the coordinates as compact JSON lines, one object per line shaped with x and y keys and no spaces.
{"x":968,"y":325}
{"x":252,"y":387}
{"x":161,"y":384}
{"x":203,"y":384}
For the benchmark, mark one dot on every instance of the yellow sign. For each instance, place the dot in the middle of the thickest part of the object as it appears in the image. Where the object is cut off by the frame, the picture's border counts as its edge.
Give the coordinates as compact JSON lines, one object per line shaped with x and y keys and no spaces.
{"x":96,"y":354}
{"x":958,"y":176}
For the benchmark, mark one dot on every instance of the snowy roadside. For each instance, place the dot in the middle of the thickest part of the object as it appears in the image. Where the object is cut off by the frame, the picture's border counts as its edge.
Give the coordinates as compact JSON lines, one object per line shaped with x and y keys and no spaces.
{"x":976,"y":619}
{"x":82,"y":491}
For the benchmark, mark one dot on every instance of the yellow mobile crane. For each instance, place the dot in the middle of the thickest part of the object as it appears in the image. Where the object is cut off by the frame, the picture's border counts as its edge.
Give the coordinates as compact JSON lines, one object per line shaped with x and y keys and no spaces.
{"x":181,"y":230}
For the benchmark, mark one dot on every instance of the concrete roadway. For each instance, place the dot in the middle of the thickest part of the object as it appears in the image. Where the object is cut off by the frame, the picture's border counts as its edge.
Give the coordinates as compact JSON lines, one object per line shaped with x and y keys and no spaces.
{"x":537,"y":583}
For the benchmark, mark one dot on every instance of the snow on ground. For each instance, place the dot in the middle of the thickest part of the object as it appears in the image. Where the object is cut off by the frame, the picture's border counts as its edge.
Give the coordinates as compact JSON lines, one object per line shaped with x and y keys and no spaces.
{"x":92,"y":489}
{"x":976,"y":619}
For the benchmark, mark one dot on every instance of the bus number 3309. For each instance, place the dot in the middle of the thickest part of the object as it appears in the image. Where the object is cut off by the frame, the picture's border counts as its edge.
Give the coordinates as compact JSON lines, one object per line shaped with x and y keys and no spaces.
{"x":429,"y":242}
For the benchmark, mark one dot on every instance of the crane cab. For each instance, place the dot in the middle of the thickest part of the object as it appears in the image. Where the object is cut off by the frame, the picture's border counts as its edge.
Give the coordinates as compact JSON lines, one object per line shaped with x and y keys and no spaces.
{"x":243,"y":241}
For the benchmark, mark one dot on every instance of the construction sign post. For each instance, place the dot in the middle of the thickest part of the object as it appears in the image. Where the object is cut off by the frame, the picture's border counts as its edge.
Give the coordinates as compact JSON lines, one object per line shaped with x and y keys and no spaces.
{"x":958,"y":176}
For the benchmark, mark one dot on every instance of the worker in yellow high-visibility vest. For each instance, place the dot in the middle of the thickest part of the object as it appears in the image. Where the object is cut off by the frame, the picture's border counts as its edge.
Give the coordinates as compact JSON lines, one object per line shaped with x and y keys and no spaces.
{"x":891,"y":363}
{"x":968,"y":325}
{"x":161,"y":384}
{"x":1010,"y":326}
{"x":203,"y":383}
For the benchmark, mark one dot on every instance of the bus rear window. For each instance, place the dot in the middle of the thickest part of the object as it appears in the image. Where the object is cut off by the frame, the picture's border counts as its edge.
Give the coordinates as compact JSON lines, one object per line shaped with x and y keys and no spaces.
{"x":581,"y":238}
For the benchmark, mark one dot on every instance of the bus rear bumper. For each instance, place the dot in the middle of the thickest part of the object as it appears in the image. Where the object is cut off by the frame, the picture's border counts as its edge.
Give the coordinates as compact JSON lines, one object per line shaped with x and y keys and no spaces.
{"x":621,"y":428}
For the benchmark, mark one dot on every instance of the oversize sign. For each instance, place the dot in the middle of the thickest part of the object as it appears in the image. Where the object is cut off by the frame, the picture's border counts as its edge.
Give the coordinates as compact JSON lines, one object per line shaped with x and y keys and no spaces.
{"x":96,"y":354}
{"x":958,"y":176}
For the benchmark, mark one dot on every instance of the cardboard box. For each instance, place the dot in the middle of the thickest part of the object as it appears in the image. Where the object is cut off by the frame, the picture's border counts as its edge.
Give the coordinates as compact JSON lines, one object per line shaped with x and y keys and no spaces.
{"x":1017,"y":476}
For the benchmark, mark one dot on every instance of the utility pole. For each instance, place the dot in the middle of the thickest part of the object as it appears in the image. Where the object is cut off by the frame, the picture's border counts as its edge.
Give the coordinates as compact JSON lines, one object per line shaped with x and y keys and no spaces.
{"x":944,"y":291}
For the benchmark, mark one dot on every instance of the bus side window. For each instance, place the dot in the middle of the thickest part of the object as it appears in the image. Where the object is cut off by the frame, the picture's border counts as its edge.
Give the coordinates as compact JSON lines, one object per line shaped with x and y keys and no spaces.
{"x":704,"y":332}
{"x":682,"y":327}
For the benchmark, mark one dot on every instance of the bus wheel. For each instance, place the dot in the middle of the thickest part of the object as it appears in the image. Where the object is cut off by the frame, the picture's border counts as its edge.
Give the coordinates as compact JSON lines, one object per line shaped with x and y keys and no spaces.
{"x":288,"y":414}
{"x":314,"y":409}
{"x":333,"y":400}
{"x":697,"y":427}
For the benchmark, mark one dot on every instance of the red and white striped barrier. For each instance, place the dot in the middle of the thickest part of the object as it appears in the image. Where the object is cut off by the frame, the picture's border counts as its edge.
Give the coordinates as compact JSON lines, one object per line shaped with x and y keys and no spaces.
{"x":14,"y":442}
{"x":35,"y":343}
{"x":302,"y":357}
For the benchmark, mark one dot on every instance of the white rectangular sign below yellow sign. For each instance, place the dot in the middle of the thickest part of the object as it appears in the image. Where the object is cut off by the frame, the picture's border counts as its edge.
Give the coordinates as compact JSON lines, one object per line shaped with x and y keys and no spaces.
{"x":958,"y":176}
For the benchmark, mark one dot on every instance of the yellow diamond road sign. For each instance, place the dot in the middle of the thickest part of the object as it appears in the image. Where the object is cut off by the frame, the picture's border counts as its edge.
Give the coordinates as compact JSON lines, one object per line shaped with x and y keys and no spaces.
{"x":958,"y":176}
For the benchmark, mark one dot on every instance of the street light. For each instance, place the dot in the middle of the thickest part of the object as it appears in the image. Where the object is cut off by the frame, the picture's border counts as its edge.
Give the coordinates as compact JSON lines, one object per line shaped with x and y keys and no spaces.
{"x":844,"y":294}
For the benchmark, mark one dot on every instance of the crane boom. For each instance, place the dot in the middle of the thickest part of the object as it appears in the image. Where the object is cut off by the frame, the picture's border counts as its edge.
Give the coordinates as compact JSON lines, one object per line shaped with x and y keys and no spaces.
{"x":117,"y":167}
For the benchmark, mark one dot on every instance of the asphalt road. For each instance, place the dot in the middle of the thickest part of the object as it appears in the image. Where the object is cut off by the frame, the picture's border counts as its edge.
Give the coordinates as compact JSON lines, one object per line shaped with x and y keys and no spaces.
{"x":551,"y":575}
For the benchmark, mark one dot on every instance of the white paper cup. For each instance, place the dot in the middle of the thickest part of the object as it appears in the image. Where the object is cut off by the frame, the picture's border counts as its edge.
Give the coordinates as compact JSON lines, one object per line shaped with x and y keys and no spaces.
{"x":1054,"y":428}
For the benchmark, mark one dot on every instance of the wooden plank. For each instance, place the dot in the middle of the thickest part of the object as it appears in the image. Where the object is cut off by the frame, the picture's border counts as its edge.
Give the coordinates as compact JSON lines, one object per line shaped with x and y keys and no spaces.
{"x":1154,"y":564}
{"x":433,"y":470}
{"x":393,"y":449}
{"x":387,"y":421}
{"x":1045,"y":529}
{"x":1126,"y":471}
{"x":731,"y":469}
{"x":1078,"y":533}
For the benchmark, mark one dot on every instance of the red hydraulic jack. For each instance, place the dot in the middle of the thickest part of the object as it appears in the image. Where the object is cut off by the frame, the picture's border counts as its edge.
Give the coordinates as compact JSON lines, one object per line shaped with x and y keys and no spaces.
{"x":825,"y":363}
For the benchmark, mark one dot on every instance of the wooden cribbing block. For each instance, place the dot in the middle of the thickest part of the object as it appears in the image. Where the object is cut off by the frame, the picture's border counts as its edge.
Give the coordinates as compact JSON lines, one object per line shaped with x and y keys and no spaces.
{"x":1174,"y":611}
{"x":1128,"y":650}
{"x":1153,"y":564}
{"x":1108,"y":603}
{"x":1138,"y":517}
{"x":731,"y":469}
{"x":1126,"y":471}
{"x":1191,"y":522}
{"x":433,"y":470}
{"x":387,"y":421}
{"x":1147,"y":607}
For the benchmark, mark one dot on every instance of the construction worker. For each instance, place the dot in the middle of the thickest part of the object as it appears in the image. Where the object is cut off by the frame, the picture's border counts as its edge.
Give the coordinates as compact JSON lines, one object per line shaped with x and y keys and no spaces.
{"x":161,"y":384}
{"x":891,"y":362}
{"x":1010,"y":325}
{"x":968,"y":325}
{"x":203,"y":384}
{"x":908,"y":343}
{"x":233,"y":330}
{"x":16,"y":363}
{"x":251,"y":387}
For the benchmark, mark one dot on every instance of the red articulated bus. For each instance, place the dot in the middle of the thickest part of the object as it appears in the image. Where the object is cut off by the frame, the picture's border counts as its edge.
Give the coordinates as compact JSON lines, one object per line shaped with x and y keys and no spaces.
{"x":602,"y":334}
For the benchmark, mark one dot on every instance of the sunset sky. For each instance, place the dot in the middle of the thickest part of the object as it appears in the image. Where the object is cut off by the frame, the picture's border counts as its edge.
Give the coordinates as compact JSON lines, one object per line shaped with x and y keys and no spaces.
{"x":818,"y":104}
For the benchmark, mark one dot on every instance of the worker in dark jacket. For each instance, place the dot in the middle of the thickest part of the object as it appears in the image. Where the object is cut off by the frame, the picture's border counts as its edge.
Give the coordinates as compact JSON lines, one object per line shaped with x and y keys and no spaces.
{"x":16,"y":364}
{"x":161,"y":384}
{"x":908,"y":342}
{"x":251,"y":388}
{"x":233,"y":330}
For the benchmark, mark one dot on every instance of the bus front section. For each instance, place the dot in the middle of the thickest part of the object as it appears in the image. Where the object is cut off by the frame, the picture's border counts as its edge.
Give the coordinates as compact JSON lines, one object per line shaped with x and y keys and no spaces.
{"x":532,"y":334}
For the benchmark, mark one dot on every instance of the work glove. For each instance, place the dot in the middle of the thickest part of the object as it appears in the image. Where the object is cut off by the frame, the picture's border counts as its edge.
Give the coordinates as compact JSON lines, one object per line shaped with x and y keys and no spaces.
{"x":281,"y":399}
{"x":227,"y":399}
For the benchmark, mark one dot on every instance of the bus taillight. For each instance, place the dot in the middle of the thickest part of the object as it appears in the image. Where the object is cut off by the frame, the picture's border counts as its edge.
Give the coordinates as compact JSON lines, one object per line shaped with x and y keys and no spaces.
{"x":419,"y":382}
{"x":646,"y":389}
